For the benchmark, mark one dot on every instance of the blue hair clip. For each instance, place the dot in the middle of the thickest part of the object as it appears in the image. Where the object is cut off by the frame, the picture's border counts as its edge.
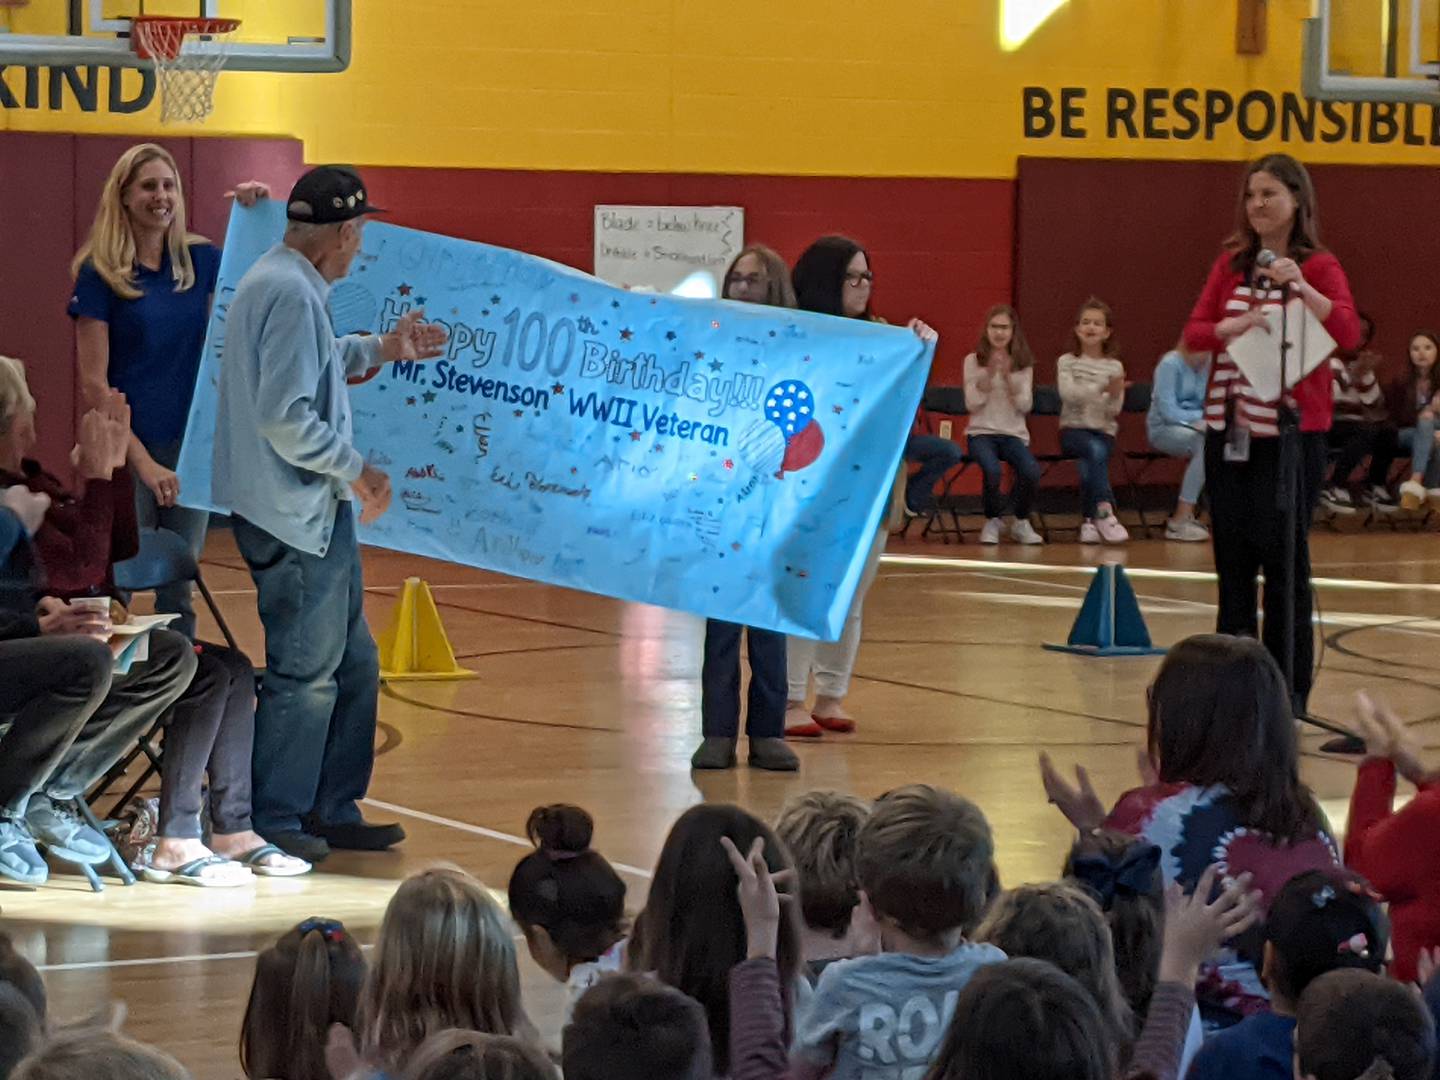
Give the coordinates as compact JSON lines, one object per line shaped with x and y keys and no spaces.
{"x":1323,"y":897}
{"x":329,"y":929}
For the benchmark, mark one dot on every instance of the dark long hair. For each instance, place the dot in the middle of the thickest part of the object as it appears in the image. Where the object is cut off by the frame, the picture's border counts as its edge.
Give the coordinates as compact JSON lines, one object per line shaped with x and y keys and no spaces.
{"x":819,"y":275}
{"x":565,"y":888}
{"x":1244,"y":242}
{"x":304,"y":983}
{"x":692,"y":932}
{"x":779,"y":292}
{"x":1412,"y":373}
{"x":1019,"y":349}
{"x":1220,"y":714}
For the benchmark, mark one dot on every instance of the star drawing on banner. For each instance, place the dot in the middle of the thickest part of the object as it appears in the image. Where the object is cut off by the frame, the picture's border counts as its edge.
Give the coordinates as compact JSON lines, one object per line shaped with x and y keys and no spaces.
{"x":494,"y":299}
{"x":838,"y":409}
{"x":404,"y":290}
{"x":699,"y":355}
{"x":428,"y":396}
{"x":573,"y":470}
{"x":409,"y":401}
{"x":574,"y":297}
{"x":459,"y":429}
{"x":420,"y":300}
{"x":772,"y":333}
{"x":558,"y":389}
{"x":714,"y":324}
{"x":669,"y":335}
{"x":519,"y":412}
{"x":805,"y":360}
{"x":659,"y":448}
{"x":626,"y":334}
{"x":716,"y":365}
{"x":735,"y":546}
{"x":729,"y":463}
{"x":485,"y":312}
{"x":634,"y":436}
{"x":615,"y":304}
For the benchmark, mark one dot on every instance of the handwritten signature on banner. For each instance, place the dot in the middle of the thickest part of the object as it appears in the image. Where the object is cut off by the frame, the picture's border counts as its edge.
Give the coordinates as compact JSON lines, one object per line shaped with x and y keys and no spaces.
{"x":726,"y":459}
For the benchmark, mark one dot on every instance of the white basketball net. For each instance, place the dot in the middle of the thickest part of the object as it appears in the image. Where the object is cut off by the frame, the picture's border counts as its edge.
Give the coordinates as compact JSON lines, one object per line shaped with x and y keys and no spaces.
{"x":187,"y":74}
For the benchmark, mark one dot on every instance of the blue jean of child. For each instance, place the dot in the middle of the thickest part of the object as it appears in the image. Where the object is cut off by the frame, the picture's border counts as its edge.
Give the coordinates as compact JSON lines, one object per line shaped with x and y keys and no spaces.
{"x":315,"y":722}
{"x":1178,"y":440}
{"x":1424,"y":455}
{"x":1091,"y":451}
{"x":989,"y":451}
{"x":936,"y":457}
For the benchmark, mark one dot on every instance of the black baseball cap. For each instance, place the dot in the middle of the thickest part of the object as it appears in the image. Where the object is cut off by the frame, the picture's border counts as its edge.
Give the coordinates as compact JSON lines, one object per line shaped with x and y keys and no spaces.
{"x":327,"y":194}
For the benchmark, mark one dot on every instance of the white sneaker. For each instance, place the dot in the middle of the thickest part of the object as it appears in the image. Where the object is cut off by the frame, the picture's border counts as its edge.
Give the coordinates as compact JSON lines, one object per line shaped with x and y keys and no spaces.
{"x":990,"y":534}
{"x":1412,"y":495}
{"x":1188,"y":531}
{"x":1110,"y":529}
{"x":1022,"y":532}
{"x":1089,"y":534}
{"x":1337,"y":500}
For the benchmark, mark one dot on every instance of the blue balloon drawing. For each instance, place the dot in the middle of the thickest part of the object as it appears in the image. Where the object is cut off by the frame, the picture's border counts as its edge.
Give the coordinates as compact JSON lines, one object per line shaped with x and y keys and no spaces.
{"x":790,"y":406}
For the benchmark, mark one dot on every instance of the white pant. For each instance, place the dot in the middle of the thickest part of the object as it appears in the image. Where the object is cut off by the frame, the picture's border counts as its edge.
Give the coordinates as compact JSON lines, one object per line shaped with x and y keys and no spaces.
{"x":831,"y":662}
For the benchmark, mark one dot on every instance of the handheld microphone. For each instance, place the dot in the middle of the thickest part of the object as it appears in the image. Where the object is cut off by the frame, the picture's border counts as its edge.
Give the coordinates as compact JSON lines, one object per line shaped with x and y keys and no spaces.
{"x":1263,"y":261}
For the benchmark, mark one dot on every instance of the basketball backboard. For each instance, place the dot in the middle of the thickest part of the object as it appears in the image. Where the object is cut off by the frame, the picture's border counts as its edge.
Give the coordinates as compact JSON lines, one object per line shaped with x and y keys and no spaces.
{"x":1373,"y":50}
{"x":274,"y":35}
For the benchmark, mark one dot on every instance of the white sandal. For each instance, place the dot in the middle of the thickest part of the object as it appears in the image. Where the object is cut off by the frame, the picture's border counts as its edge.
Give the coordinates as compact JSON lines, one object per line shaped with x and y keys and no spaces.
{"x":207,"y":872}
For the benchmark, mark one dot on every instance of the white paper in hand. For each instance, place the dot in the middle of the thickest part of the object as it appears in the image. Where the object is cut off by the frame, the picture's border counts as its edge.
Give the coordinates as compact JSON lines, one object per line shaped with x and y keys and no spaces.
{"x":1257,"y":353}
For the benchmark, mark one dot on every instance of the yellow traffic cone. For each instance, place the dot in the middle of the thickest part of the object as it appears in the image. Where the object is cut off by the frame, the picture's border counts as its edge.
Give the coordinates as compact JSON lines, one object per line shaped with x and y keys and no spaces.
{"x":414,"y":645}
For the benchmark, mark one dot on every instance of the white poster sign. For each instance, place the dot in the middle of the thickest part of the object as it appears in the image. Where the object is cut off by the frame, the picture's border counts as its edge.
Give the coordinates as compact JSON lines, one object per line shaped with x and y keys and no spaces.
{"x":667,"y":248}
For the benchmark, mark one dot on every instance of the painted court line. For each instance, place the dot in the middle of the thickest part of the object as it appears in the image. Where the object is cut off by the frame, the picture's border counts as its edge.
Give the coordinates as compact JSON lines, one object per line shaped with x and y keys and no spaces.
{"x":194,"y":958}
{"x":480,"y":830}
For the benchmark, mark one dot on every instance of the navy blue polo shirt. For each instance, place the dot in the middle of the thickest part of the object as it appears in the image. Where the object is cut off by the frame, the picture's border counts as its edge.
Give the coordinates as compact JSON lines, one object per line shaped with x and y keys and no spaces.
{"x":155,"y":339}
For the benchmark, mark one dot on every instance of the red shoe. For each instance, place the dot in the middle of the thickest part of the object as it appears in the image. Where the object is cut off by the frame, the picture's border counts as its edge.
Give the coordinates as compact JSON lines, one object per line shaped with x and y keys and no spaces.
{"x":804,"y":731}
{"x":842,"y":725}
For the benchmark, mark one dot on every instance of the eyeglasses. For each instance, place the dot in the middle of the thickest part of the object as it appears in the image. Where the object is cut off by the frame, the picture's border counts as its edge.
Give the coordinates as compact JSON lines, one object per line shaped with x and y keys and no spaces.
{"x":856,"y":278}
{"x":749,"y":280}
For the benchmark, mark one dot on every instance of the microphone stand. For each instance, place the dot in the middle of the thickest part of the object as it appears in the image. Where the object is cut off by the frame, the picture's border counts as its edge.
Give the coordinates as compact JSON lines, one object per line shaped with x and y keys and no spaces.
{"x":1287,"y":499}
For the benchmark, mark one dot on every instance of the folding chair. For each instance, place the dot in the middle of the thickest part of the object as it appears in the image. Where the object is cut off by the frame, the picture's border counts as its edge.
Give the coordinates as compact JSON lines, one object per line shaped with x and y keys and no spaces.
{"x":946,"y":401}
{"x":1045,"y":401}
{"x":1137,"y":400}
{"x":163,"y":559}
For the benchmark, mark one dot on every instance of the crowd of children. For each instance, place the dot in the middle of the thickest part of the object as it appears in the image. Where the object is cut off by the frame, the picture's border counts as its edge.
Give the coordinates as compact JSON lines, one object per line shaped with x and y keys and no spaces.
{"x":874,"y":940}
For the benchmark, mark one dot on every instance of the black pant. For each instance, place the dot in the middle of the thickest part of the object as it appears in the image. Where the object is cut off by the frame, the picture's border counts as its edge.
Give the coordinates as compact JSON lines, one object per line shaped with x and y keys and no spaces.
{"x":1356,"y":440}
{"x":720,"y":682}
{"x":1248,"y":537}
{"x":211,"y":731}
{"x":70,"y":717}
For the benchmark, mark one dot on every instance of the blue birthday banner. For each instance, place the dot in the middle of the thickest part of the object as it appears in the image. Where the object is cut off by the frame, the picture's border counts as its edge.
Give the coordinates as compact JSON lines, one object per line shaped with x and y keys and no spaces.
{"x":731,"y":460}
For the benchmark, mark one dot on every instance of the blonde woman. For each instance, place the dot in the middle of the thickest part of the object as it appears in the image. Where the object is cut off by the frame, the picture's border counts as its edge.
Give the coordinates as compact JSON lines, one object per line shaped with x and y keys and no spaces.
{"x":141,"y":302}
{"x":444,"y":959}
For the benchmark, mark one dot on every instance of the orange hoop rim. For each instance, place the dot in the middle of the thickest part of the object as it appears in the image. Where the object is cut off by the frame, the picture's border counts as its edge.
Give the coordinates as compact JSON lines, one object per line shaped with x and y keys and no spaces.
{"x":160,"y":36}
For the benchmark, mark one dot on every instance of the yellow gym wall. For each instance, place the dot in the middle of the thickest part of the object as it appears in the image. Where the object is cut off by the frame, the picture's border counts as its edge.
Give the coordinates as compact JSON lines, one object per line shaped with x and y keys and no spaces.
{"x":897,"y":88}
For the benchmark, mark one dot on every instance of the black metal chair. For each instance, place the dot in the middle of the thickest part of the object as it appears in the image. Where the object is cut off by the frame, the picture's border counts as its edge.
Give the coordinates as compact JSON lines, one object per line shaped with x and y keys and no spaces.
{"x":1045,"y":401}
{"x":945,"y":401}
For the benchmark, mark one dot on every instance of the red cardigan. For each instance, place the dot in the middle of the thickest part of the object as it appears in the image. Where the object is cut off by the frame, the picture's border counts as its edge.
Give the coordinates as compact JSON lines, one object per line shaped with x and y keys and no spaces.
{"x":1322,"y":270}
{"x":81,"y":538}
{"x":1399,"y":852}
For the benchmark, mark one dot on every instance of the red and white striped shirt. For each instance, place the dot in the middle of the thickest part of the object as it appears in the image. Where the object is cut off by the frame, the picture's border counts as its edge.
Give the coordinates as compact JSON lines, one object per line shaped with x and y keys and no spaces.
{"x":1227,"y":293}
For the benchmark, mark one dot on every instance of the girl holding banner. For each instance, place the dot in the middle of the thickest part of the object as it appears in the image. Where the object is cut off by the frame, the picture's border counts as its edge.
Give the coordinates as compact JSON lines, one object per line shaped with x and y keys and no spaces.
{"x":833,"y":277}
{"x":757,"y":276}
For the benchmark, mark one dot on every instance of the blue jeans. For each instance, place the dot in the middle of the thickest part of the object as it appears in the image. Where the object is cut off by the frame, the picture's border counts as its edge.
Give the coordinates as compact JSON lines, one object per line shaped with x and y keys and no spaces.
{"x":315,"y":723}
{"x":1177,"y":440}
{"x":189,"y":525}
{"x":989,"y":451}
{"x":936,"y":457}
{"x":720,"y":682}
{"x":1091,"y":451}
{"x":1424,"y":455}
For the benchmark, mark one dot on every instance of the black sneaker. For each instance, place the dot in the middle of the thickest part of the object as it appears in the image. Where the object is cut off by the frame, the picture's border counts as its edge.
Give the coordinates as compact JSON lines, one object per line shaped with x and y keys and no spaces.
{"x":358,"y":835}
{"x":299,"y":844}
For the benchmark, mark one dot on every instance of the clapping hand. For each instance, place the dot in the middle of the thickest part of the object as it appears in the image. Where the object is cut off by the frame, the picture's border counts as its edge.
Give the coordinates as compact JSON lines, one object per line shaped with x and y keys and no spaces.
{"x":1195,"y":926}
{"x":761,"y":897}
{"x":412,"y":339}
{"x":1078,"y":802}
{"x":1386,"y":736}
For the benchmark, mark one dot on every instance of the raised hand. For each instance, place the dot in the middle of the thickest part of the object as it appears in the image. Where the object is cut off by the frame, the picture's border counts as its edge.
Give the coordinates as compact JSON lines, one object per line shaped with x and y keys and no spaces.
{"x":761,"y":901}
{"x":1387,"y":736}
{"x":1195,"y":926}
{"x":412,"y":339}
{"x":1078,"y":802}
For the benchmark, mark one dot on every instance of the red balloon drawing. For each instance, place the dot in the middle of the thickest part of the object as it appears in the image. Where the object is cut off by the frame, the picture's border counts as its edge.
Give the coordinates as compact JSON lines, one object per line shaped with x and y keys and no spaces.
{"x":803,"y":448}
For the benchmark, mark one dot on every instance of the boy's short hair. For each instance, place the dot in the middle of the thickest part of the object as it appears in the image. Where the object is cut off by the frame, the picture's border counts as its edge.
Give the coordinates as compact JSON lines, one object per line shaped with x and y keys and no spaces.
{"x":926,"y":860}
{"x":821,"y":829}
{"x":96,"y":1053}
{"x":23,"y":975}
{"x":631,"y":1025}
{"x":1352,"y":1024}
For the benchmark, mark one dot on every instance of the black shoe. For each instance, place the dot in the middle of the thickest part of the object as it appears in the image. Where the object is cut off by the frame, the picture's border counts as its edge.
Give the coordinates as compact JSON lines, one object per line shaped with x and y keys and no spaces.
{"x":300,"y":844}
{"x":359,"y":835}
{"x":1344,"y":744}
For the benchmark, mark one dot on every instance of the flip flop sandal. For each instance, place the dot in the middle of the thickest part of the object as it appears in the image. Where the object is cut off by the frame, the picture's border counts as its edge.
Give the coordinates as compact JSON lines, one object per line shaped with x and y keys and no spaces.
{"x":289,"y":867}
{"x":206,"y":873}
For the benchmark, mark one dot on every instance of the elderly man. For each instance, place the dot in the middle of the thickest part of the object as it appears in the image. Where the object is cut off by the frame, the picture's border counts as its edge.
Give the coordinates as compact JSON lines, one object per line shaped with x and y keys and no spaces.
{"x":286,"y":466}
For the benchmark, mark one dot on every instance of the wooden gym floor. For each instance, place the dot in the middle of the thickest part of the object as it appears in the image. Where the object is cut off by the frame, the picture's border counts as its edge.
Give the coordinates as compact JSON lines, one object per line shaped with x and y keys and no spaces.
{"x":592,"y":701}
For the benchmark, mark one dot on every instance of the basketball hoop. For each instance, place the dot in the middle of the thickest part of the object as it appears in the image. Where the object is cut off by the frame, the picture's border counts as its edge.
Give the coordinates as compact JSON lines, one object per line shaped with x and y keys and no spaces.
{"x":187,"y":74}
